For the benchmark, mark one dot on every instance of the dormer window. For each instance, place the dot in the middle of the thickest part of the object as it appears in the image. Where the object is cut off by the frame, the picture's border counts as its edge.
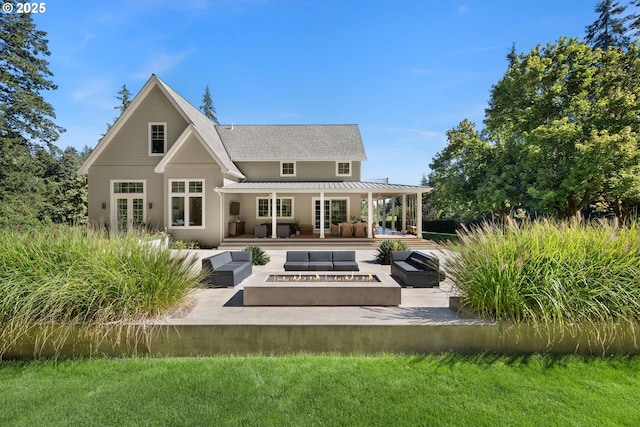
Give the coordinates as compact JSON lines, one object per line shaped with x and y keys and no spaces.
{"x":343,"y":168}
{"x":287,"y":168}
{"x":157,"y":139}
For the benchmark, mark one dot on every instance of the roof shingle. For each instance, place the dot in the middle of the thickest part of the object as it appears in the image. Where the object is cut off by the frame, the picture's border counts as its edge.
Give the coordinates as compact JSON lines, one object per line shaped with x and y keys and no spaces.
{"x":292,"y":142}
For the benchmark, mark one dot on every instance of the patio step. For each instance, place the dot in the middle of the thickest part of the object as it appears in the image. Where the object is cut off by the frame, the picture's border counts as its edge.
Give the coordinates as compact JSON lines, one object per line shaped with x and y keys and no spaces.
{"x":301,"y":243}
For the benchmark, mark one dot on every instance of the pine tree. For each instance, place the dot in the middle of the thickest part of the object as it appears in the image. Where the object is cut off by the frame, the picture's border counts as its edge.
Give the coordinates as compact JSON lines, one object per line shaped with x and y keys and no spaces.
{"x":207,"y":106}
{"x":609,"y":29}
{"x":124,"y":98}
{"x":634,"y":20}
{"x":24,"y":74}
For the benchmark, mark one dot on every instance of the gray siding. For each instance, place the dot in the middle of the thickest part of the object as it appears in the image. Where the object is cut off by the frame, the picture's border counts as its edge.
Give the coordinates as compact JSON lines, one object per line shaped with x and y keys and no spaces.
{"x":305,"y":171}
{"x":130,"y":145}
{"x":100,"y":192}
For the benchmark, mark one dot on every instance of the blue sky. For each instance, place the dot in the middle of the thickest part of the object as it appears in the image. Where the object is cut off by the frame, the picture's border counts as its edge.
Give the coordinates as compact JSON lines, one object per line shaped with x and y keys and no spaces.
{"x":404,"y":71}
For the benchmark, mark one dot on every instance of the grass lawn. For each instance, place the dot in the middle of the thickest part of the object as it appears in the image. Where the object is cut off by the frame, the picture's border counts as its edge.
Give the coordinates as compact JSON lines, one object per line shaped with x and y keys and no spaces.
{"x":447,"y":390}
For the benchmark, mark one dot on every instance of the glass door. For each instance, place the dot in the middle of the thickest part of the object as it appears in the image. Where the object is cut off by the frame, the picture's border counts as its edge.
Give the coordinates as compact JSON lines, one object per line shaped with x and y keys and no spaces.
{"x":327,"y":214}
{"x":335,"y":212}
{"x":129,"y":212}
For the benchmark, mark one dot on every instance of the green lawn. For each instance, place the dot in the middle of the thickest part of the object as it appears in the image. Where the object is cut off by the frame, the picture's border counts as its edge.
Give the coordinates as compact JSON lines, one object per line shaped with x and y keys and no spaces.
{"x":445,"y":390}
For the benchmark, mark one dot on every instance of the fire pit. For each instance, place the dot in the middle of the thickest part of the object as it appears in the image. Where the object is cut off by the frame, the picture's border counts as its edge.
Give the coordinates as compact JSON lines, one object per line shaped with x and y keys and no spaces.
{"x":306,"y":278}
{"x":317,"y":289}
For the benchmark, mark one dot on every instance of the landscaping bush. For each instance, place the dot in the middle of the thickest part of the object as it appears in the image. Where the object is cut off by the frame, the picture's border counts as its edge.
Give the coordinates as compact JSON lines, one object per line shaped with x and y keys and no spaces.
{"x":545,"y":273}
{"x":386,"y":247}
{"x":258,"y":255}
{"x":63,"y":277}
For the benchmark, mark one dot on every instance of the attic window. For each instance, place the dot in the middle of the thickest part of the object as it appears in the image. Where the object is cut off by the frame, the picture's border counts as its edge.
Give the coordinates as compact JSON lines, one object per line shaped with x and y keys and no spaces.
{"x":157,"y":139}
{"x":343,"y":168}
{"x":287,"y":168}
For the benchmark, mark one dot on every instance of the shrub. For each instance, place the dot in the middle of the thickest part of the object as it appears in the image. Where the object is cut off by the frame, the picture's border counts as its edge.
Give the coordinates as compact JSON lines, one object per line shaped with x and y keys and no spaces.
{"x":63,"y":278}
{"x":386,"y":247}
{"x":182,"y":245}
{"x":258,"y":255}
{"x":546,"y":273}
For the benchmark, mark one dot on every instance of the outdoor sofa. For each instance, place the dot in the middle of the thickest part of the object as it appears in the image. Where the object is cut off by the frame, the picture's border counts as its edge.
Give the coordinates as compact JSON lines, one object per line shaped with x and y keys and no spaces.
{"x":321,"y":261}
{"x":416,"y":269}
{"x":227,"y":268}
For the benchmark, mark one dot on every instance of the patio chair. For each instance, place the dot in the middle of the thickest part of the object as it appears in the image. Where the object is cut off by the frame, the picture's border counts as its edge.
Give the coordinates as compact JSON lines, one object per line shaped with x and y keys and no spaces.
{"x":346,"y":229}
{"x":283,"y":230}
{"x":335,"y":230}
{"x":260,"y":231}
{"x":360,"y":229}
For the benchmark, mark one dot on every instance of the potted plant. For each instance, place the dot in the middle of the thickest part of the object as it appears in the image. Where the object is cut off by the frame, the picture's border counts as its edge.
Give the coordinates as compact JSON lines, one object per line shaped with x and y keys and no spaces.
{"x":296,"y":225}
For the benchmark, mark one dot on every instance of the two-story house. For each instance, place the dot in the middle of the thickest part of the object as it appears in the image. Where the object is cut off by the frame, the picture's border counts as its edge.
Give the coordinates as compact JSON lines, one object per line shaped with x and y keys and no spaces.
{"x":165,"y":165}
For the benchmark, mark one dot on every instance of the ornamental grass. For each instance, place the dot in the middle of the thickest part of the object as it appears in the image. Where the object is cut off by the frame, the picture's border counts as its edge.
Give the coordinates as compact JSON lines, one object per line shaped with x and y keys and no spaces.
{"x":61,"y":279}
{"x":571,"y":275}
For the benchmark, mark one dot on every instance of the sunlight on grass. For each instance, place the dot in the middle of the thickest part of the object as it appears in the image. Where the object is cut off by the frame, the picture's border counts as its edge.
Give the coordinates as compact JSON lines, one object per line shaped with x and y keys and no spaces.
{"x":442,"y":390}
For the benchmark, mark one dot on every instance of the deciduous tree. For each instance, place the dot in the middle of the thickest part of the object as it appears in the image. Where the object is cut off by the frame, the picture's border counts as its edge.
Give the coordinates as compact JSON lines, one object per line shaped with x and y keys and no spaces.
{"x":574,"y":112}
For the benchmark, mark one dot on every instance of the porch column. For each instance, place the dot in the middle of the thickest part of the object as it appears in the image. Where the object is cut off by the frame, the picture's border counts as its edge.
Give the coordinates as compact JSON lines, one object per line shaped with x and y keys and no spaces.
{"x":274,"y":216}
{"x":370,"y":215}
{"x":419,"y":215}
{"x":322,"y":214}
{"x":393,"y":214}
{"x":404,"y":214}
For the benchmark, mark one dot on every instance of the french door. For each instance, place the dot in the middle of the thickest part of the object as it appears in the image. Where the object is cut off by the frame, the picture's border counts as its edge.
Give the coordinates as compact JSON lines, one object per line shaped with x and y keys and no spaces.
{"x":128,"y":204}
{"x":335,"y":211}
{"x":129,"y":212}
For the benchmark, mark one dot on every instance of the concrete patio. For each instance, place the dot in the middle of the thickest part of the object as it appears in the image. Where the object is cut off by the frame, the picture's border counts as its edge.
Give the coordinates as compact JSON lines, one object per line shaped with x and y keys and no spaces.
{"x":224,"y":306}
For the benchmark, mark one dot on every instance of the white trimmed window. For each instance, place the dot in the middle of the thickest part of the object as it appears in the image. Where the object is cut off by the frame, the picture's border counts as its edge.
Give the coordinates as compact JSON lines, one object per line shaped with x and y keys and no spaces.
{"x":157,"y":138}
{"x":284,"y":207}
{"x":343,"y":168}
{"x":186,"y":198}
{"x":287,"y":168}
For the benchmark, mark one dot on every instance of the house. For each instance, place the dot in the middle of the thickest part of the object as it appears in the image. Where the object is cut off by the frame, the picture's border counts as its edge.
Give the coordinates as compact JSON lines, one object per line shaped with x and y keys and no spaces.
{"x":165,"y":165}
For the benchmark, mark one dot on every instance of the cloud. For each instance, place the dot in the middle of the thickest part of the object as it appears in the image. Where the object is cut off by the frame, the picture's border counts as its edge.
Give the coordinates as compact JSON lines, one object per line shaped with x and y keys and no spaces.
{"x":91,"y":90}
{"x":163,"y":62}
{"x":462,"y":10}
{"x":480,"y":49}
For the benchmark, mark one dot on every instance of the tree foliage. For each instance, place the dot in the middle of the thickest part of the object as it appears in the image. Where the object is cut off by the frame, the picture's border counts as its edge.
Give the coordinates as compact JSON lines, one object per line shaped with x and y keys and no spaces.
{"x":38,"y":181}
{"x":609,"y":29}
{"x":207,"y":107}
{"x":25,"y":116}
{"x":561,"y":131}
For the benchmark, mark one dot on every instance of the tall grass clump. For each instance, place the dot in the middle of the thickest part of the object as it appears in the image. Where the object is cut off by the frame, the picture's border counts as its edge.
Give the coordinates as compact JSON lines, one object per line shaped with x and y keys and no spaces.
{"x":546,"y":273}
{"x":61,"y":279}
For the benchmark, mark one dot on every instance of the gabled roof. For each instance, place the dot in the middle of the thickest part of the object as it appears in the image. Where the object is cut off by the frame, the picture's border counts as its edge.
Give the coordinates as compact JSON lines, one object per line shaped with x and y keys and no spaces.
{"x":200,"y":125}
{"x":292,"y":142}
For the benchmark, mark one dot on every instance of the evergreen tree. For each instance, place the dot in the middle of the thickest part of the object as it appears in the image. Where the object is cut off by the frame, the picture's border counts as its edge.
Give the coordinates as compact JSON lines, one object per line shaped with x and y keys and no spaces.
{"x":634,"y":20}
{"x":207,"y":106}
{"x":609,"y":29}
{"x":24,"y":74}
{"x":124,"y":96}
{"x":26,"y":120}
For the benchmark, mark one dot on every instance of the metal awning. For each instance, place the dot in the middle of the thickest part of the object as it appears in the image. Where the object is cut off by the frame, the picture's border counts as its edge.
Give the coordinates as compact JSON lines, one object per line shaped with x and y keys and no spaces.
{"x":321,"y":186}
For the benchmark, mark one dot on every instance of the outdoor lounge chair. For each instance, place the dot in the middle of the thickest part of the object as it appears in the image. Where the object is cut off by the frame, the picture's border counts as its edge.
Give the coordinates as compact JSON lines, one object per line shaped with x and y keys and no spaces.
{"x":283,"y":230}
{"x":346,"y":229}
{"x":360,"y":229}
{"x":260,"y":231}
